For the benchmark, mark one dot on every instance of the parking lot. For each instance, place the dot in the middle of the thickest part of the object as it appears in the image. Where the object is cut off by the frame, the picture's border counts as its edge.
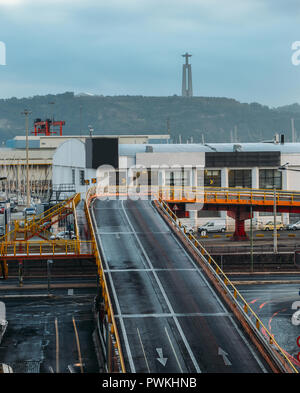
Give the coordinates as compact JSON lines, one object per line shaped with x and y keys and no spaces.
{"x":49,"y":334}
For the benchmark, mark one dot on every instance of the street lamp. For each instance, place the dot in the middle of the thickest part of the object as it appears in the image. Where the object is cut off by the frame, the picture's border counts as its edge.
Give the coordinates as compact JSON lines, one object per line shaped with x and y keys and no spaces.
{"x":49,"y":262}
{"x":26,"y":113}
{"x":91,"y":131}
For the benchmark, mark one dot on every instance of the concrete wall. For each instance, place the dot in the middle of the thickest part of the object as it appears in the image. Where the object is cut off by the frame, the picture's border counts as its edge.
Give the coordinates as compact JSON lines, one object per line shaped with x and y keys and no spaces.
{"x":178,"y":158}
{"x":68,"y":156}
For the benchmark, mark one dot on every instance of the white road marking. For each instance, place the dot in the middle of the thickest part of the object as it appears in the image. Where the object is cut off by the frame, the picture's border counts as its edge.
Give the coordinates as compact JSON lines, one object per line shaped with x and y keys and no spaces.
{"x":161,"y":358}
{"x":143,"y":350}
{"x":130,"y":233}
{"x":131,"y":363}
{"x":172,"y":315}
{"x":179,"y":365}
{"x":164,"y":295}
{"x":148,"y":270}
{"x":224,"y":354}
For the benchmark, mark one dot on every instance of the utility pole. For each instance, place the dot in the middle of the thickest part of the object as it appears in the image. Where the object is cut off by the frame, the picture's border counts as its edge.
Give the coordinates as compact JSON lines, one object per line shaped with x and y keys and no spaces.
{"x":80,"y":109}
{"x":275,"y":228}
{"x":168,"y":125}
{"x":26,"y":113}
{"x":49,"y":262}
{"x":293,"y":130}
{"x":251,"y":237}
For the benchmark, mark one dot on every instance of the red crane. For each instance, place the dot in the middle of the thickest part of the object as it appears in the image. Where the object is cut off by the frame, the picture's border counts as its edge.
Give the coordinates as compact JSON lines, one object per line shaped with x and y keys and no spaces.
{"x":46,"y":127}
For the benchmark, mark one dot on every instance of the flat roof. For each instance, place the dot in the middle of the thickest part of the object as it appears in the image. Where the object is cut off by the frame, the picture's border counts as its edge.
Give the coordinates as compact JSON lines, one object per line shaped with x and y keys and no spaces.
{"x":287,"y":148}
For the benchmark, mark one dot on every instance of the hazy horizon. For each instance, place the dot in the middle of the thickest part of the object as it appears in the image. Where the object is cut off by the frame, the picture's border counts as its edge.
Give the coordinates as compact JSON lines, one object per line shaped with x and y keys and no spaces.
{"x":241,"y":49}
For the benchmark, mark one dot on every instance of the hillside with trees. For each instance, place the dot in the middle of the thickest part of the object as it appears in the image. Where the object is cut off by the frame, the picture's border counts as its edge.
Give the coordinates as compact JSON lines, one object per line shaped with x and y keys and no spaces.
{"x":212,"y":119}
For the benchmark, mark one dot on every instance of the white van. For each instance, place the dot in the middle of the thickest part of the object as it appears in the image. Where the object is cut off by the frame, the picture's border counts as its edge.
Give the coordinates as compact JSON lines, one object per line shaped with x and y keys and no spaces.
{"x":213,"y":226}
{"x":3,"y":321}
{"x":5,"y":368}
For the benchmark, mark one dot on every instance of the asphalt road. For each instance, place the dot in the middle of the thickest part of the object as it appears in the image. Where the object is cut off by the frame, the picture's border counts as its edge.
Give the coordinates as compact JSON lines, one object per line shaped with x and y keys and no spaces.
{"x":169,"y":317}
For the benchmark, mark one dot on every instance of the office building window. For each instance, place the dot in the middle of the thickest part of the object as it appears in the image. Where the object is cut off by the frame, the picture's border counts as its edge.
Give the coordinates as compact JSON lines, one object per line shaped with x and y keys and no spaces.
{"x":240,"y":178}
{"x":178,"y":178}
{"x":73,"y":176}
{"x":212,"y":178}
{"x":270,"y":178}
{"x":81,"y":177}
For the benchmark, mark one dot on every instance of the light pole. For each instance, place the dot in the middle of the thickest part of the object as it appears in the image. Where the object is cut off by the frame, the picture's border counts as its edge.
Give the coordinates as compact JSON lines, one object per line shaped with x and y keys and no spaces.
{"x":26,"y":113}
{"x":51,"y":126}
{"x":275,"y":228}
{"x":251,"y":238}
{"x":49,"y":262}
{"x":91,"y":131}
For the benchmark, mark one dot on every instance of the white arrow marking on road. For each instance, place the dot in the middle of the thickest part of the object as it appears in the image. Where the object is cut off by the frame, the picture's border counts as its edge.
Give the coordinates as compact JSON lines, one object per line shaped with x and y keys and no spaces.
{"x":161,"y":359}
{"x":224,"y":354}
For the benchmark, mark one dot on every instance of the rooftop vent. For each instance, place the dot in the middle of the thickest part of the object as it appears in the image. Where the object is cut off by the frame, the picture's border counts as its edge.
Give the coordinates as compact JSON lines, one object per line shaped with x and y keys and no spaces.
{"x":237,"y":148}
{"x":149,"y":149}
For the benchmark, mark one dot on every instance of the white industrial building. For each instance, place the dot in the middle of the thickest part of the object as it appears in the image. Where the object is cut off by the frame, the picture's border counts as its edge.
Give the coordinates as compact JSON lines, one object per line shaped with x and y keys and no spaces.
{"x":248,"y":165}
{"x":41,"y":148}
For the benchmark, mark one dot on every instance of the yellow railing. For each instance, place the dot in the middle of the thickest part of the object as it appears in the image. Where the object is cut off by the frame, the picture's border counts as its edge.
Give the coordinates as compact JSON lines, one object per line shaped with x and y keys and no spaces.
{"x":204,"y":194}
{"x":102,"y":281}
{"x":36,"y":221}
{"x":75,"y":202}
{"x":9,"y":249}
{"x":230,"y":287}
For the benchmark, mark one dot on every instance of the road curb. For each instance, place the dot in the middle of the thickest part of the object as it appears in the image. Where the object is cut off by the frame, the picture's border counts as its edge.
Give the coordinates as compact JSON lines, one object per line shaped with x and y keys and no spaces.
{"x":266,"y":282}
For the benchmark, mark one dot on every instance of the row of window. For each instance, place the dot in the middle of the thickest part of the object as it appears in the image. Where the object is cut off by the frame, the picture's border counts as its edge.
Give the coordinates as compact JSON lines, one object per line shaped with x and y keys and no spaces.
{"x":81,"y":177}
{"x":268,"y":178}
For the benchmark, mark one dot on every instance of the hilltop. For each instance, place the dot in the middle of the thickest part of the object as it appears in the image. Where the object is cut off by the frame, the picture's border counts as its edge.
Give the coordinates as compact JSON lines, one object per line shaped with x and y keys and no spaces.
{"x":218,"y":119}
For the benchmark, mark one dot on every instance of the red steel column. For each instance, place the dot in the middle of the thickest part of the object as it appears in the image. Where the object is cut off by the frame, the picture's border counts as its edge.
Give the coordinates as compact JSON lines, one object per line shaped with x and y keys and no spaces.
{"x":239,"y":214}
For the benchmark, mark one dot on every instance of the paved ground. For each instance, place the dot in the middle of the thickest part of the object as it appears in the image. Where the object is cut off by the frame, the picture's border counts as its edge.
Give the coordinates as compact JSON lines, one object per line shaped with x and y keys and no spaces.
{"x":41,"y":331}
{"x":273,"y":304}
{"x":169,"y":317}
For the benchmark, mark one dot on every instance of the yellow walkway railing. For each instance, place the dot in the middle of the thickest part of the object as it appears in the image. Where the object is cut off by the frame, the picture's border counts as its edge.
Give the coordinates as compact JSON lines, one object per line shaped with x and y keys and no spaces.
{"x":104,"y":288}
{"x":53,"y":248}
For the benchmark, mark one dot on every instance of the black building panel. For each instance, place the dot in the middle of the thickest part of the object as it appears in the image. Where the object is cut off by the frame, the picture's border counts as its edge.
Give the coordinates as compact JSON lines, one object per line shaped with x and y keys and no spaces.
{"x":102,"y":151}
{"x":242,"y":159}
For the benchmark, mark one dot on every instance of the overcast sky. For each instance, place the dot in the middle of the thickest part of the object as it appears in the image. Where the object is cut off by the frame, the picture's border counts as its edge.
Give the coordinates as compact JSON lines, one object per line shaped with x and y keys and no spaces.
{"x":241,"y":48}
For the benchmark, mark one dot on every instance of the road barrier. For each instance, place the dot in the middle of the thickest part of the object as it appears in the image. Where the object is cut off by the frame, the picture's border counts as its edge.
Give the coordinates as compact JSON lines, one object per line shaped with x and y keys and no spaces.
{"x":33,"y":225}
{"x":106,"y":324}
{"x":50,"y":248}
{"x":279,"y":359}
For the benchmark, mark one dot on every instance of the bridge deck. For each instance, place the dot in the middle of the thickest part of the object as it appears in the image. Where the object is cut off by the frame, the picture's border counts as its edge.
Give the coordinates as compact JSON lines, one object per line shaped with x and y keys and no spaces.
{"x":169,"y":318}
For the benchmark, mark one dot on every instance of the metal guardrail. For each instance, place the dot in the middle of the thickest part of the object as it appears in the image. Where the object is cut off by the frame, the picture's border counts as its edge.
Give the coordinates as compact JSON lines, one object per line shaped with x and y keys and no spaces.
{"x":113,"y":348}
{"x":206,"y":194}
{"x":34,"y":223}
{"x":258,"y":327}
{"x":67,"y":248}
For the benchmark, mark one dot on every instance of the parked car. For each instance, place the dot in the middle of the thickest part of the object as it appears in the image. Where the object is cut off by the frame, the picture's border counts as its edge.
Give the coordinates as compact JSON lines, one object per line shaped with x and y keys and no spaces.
{"x":187,"y":229}
{"x":5,"y":368}
{"x":29,"y":211}
{"x":67,"y":235}
{"x":13,"y":207}
{"x":269,"y":226}
{"x":46,"y":225}
{"x":293,"y":227}
{"x":2,"y":209}
{"x":2,"y":231}
{"x":213,"y":226}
